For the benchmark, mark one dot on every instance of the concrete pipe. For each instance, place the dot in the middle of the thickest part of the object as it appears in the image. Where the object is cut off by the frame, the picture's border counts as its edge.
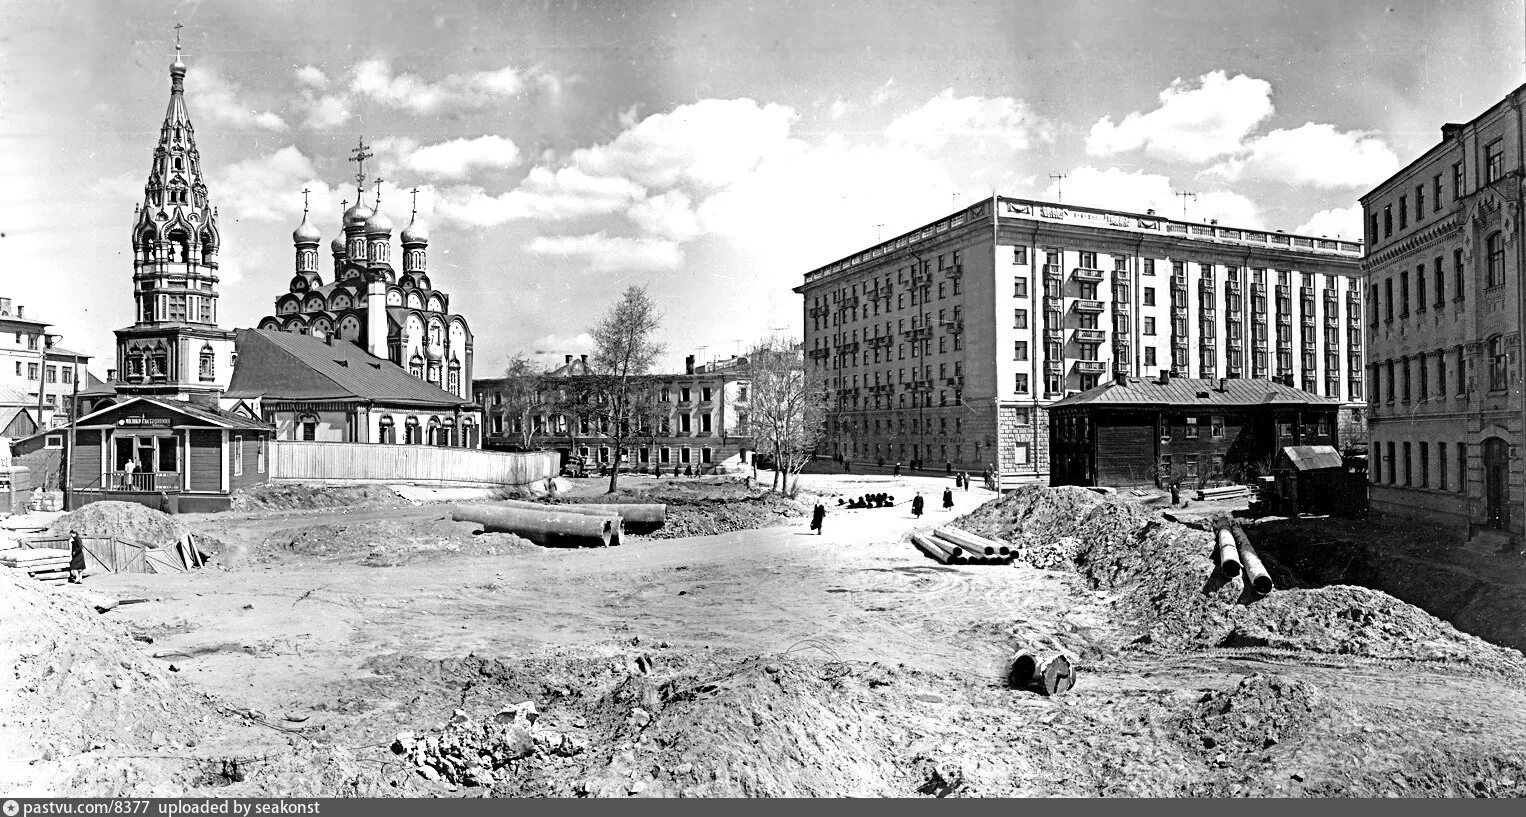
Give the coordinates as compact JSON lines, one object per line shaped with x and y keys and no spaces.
{"x":1227,"y":554}
{"x":925,"y":544}
{"x":948,"y":555}
{"x":1255,"y":572}
{"x":972,"y":543}
{"x":639,"y":517}
{"x":545,"y":528}
{"x":1048,"y":674}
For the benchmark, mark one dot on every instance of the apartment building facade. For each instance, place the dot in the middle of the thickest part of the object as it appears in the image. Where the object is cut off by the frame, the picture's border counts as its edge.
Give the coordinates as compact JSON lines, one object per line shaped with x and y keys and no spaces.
{"x":946,"y":345}
{"x":1444,"y":275}
{"x":37,"y":376}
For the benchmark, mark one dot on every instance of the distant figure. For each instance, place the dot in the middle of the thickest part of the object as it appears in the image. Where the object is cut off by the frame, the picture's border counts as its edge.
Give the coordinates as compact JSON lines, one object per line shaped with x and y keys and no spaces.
{"x":675,"y":469}
{"x":127,"y":471}
{"x":847,"y":466}
{"x":818,"y":516}
{"x":880,"y":462}
{"x":897,"y":471}
{"x":965,"y":475}
{"x":76,"y":558}
{"x":688,"y":470}
{"x":948,"y":499}
{"x":917,"y":503}
{"x":948,"y":467}
{"x":1176,"y":495}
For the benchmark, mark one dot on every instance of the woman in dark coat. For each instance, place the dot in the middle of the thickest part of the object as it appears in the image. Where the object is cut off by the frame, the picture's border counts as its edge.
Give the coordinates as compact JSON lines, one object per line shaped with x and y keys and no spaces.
{"x":917,"y":502}
{"x":817,"y":517}
{"x":76,"y":558}
{"x":948,"y":499}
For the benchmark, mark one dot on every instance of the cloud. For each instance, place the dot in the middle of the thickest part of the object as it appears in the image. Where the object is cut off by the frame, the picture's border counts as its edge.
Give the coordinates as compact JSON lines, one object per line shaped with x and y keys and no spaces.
{"x":1195,"y":122}
{"x":456,"y":158}
{"x":707,"y":144}
{"x":990,"y":122}
{"x":214,"y":96}
{"x":545,"y":194}
{"x":325,"y":112}
{"x":1317,"y":155}
{"x":884,"y":93}
{"x":265,"y":188}
{"x":312,"y":77}
{"x":1138,"y":191}
{"x":838,"y":108}
{"x":668,"y":215}
{"x":1340,"y":222}
{"x":606,"y":253}
{"x":374,"y":80}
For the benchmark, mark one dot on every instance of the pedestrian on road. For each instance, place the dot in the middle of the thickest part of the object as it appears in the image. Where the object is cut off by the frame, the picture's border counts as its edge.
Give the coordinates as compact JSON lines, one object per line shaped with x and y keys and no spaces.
{"x":847,"y":466}
{"x":897,"y":471}
{"x":1176,"y":495}
{"x":818,"y":516}
{"x":948,"y":499}
{"x":965,"y":475}
{"x":688,"y":470}
{"x":917,"y":502}
{"x":76,"y":558}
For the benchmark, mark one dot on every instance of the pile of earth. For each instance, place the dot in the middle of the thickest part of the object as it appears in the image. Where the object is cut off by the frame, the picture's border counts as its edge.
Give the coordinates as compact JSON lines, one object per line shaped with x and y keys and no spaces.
{"x":389,"y":542}
{"x":711,"y":505}
{"x":285,"y":496}
{"x":1165,"y":584}
{"x":132,"y":522}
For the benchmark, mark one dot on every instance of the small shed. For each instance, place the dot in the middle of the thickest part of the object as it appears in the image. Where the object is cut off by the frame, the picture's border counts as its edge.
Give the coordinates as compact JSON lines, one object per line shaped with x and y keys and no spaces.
{"x":1309,"y":479}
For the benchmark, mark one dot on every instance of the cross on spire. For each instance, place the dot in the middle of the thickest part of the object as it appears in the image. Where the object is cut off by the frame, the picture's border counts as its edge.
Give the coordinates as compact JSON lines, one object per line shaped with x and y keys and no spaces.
{"x":359,"y":156}
{"x":178,"y":26}
{"x":415,"y":192}
{"x":305,"y":191}
{"x":379,"y":181}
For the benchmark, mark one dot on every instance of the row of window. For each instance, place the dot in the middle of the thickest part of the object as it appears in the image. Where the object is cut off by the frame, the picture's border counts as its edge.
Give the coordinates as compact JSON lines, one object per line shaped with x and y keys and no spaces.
{"x":31,"y":339}
{"x":1409,"y":464}
{"x":54,"y":374}
{"x":1435,"y":292}
{"x":1494,"y":168}
{"x":1399,"y":376}
{"x":643,"y":455}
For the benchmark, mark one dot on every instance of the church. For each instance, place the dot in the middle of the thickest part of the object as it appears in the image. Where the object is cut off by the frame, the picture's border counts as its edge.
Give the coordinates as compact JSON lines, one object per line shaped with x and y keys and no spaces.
{"x":401,"y":318}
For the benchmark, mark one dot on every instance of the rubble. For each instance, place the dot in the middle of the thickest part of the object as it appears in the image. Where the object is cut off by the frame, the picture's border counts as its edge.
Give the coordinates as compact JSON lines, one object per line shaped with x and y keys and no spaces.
{"x":472,"y":753}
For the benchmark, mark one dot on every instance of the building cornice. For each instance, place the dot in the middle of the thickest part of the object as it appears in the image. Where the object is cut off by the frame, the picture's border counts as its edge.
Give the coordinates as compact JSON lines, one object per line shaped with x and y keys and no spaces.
{"x":1443,"y":229}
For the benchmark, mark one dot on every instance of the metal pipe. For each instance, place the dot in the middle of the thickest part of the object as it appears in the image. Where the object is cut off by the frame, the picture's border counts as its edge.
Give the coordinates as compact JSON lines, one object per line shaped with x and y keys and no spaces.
{"x":1255,"y":572}
{"x":972,"y":543}
{"x":545,"y":528}
{"x":1227,"y":555}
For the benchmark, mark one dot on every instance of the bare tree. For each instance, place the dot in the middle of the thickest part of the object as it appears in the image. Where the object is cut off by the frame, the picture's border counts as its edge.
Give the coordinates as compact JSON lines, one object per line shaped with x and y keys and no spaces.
{"x":523,"y":384}
{"x":785,"y":413}
{"x":624,"y":349}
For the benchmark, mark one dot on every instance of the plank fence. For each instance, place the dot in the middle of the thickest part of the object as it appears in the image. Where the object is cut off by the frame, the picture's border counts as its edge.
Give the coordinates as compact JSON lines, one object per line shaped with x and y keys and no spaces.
{"x":113,"y":554}
{"x":372,"y":462}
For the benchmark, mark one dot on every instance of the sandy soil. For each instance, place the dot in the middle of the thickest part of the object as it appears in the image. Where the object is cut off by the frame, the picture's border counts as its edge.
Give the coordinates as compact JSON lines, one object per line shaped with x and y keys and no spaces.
{"x":761,"y":662}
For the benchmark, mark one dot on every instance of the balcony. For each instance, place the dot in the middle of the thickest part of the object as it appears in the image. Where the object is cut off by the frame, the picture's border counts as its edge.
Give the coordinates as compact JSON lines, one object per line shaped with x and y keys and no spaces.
{"x":1259,"y":346}
{"x":1120,"y":338}
{"x":1354,"y":322}
{"x":957,"y":381}
{"x":1310,"y":346}
{"x":1094,"y":307}
{"x":817,"y":354}
{"x":819,"y":311}
{"x":919,"y":333}
{"x":1054,"y":303}
{"x":1091,"y":366}
{"x":1120,"y":308}
{"x":1054,"y":335}
{"x":848,"y":303}
{"x":144,"y":481}
{"x":848,"y":348}
{"x":880,"y":342}
{"x":954,"y":271}
{"x":1232,"y":287}
{"x":1207,"y":343}
{"x":1207,"y":313}
{"x":1054,"y":367}
{"x":1258,"y":290}
{"x":921,"y":279}
{"x":1088,"y":275}
{"x":954,"y":327}
{"x":1053,"y":272}
{"x":1179,"y":312}
{"x":1089,"y":336}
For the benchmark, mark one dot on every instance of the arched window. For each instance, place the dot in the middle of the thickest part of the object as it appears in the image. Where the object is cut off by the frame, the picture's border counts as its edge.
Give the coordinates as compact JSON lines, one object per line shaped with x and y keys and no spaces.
{"x":1498,"y":359}
{"x":434,"y":431}
{"x":416,"y":366}
{"x":307,"y":426}
{"x":208,"y":366}
{"x":1494,"y":245}
{"x":180,"y":245}
{"x":411,"y":431}
{"x":388,"y":432}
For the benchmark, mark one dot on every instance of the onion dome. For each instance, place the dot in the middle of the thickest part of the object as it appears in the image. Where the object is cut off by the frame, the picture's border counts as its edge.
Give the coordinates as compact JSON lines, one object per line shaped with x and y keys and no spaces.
{"x":417,"y":232}
{"x":435,"y":352}
{"x":356,"y":216}
{"x":337,"y":245}
{"x":306,"y":233}
{"x":379,"y":224}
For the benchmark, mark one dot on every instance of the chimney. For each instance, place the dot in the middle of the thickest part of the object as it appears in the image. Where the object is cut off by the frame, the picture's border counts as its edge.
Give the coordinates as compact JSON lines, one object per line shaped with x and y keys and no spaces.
{"x":584,"y":359}
{"x":111,"y":374}
{"x":20,"y":311}
{"x":1165,"y":377}
{"x":1450,"y":130}
{"x":1121,"y":379}
{"x":1222,"y":381}
{"x":568,"y":361}
{"x":689,"y":364}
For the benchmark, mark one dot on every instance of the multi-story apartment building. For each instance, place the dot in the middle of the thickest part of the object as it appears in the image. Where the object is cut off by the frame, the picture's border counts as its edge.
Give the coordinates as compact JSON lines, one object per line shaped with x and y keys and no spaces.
{"x":945,"y":345}
{"x":1444,"y":274}
{"x":700,"y":422}
{"x":37,"y":376}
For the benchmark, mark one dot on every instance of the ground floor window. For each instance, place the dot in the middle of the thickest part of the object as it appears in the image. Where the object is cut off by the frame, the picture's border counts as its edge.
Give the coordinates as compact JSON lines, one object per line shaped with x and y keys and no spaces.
{"x":147,"y":453}
{"x":603,"y":453}
{"x":683,"y":455}
{"x":704,"y":455}
{"x":238,"y":455}
{"x":1020,"y":454}
{"x":386,"y":433}
{"x":646,"y":455}
{"x":412,"y":434}
{"x":663,"y":456}
{"x":307,"y":427}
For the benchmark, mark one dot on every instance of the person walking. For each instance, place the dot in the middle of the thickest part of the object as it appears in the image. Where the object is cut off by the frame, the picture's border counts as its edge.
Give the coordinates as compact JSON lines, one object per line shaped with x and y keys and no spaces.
{"x":818,"y":516}
{"x":917,"y":503}
{"x":76,"y":558}
{"x":897,"y":471}
{"x":965,"y":475}
{"x":948,"y":499}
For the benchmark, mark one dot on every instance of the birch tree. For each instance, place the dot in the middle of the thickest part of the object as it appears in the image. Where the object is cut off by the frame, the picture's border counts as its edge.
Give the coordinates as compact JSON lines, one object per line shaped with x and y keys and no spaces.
{"x":785,"y":413}
{"x":624,"y":349}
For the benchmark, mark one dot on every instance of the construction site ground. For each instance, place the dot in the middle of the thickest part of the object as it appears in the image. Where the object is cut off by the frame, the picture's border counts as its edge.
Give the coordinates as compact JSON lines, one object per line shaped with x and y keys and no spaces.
{"x":763,"y":661}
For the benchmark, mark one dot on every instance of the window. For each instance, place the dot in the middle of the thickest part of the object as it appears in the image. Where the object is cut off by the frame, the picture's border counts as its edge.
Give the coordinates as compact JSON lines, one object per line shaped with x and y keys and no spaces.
{"x":206,"y":366}
{"x":1403,"y":212}
{"x":1440,"y":286}
{"x":1404,"y":294}
{"x":1149,"y":355}
{"x":1191,"y":432}
{"x":1216,"y":426}
{"x":1458,"y":290}
{"x":1388,"y":220}
{"x":1019,"y":287}
{"x":1456,"y":181}
{"x":1377,"y":463}
{"x":1419,"y":202}
{"x":1019,"y":255}
{"x":1494,"y":161}
{"x":1149,"y":266}
{"x":1408,"y":472}
{"x":1149,"y":325}
{"x":1462,"y":467}
{"x":1393,"y":465}
{"x":1149,"y":296}
{"x":1420,"y":289}
{"x":683,"y":424}
{"x":1497,"y":362}
{"x":51,"y":375}
{"x":1020,"y":350}
{"x":1494,"y":246}
{"x":31,"y":371}
{"x":1020,"y":319}
{"x":238,"y":455}
{"x":1425,"y":465}
{"x":1089,"y":260}
{"x":1391,"y":385}
{"x":1441,"y":458}
{"x":259,"y":457}
{"x":704,"y":423}
{"x":1388,"y":300}
{"x":1022,"y":383}
{"x":1462,"y":373}
{"x":68,"y":375}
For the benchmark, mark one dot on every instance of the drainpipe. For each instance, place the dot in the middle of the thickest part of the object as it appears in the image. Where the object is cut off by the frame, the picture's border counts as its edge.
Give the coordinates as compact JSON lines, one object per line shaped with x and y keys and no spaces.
{"x":1520,"y":127}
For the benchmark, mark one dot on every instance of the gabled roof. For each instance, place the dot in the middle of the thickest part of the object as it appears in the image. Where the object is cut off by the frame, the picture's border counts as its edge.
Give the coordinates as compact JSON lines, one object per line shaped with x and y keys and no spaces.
{"x":92,"y":386}
{"x":194,"y":411}
{"x":291,"y":366}
{"x":1313,"y":457}
{"x":1186,"y":392}
{"x":12,"y":396}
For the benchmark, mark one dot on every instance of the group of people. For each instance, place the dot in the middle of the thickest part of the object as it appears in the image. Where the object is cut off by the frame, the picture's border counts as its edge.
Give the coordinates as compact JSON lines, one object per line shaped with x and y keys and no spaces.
{"x":919,"y":505}
{"x":869,"y":501}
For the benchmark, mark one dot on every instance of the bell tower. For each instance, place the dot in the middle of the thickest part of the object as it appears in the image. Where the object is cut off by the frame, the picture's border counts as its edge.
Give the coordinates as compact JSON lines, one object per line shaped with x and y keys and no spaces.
{"x":175,"y":347}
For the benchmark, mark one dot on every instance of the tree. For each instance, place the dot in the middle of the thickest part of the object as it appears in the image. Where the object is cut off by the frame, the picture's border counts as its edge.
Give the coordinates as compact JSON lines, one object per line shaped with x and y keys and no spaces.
{"x":523,"y":385}
{"x":785,"y":413}
{"x":624,"y":349}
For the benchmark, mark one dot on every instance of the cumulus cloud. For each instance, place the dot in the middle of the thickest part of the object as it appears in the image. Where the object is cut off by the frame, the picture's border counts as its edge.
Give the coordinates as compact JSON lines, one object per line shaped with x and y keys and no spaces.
{"x":1317,"y":155}
{"x":1138,"y":191}
{"x":313,"y":77}
{"x":606,"y":253}
{"x":669,"y":215}
{"x":838,"y":108}
{"x":216,"y":97}
{"x":1196,"y":121}
{"x":456,"y":158}
{"x":264,"y":188}
{"x":999,"y":122}
{"x":884,"y":93}
{"x":545,"y":194}
{"x":325,"y":112}
{"x":375,"y":80}
{"x":550,"y":350}
{"x":1339,"y":222}
{"x":707,"y":144}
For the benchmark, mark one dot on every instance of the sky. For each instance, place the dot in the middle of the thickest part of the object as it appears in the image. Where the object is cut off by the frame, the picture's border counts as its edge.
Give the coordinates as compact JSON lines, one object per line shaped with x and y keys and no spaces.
{"x":712,"y":151}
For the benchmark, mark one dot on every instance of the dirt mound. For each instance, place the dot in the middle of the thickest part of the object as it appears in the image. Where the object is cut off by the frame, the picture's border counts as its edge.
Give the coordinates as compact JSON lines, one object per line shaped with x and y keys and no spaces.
{"x":1167,"y":587}
{"x":390,"y":542}
{"x":1259,"y":713}
{"x":280,"y":496}
{"x":128,"y":520}
{"x":73,"y":682}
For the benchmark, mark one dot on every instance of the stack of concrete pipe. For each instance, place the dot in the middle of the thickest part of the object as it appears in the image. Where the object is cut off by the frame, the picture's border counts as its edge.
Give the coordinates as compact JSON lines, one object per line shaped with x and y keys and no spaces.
{"x":952,"y":546}
{"x":643,"y":517}
{"x":1233,"y":554}
{"x":548,"y":526}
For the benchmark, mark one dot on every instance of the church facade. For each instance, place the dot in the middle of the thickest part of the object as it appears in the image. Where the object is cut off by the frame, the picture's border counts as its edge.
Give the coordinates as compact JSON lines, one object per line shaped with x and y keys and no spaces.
{"x":396,"y":317}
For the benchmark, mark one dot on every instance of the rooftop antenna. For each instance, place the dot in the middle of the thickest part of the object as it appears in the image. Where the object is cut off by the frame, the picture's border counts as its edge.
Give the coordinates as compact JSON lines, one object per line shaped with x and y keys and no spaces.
{"x":1059,"y":187}
{"x":878,"y":232}
{"x":359,"y":156}
{"x":1185,"y":196}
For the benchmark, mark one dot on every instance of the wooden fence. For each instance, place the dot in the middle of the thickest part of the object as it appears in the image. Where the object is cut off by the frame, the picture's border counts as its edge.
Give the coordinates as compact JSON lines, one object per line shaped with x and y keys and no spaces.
{"x":113,"y":554}
{"x":296,"y":460}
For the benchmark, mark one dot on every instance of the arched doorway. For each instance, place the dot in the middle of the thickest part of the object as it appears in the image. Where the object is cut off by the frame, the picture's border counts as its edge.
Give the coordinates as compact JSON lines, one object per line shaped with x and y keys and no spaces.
{"x":1496,"y":483}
